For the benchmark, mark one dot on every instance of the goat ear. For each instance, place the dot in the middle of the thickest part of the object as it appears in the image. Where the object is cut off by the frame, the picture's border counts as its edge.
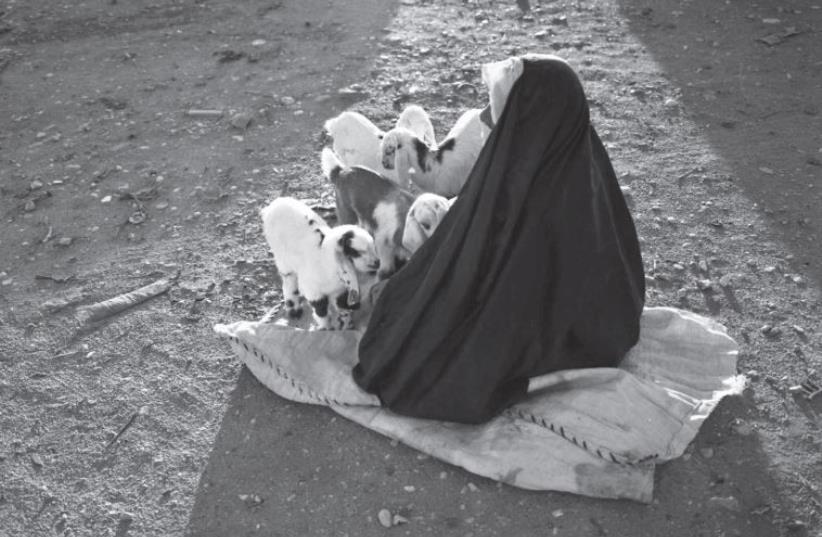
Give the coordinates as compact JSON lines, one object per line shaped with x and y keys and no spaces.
{"x":414,"y":230}
{"x":346,"y":271}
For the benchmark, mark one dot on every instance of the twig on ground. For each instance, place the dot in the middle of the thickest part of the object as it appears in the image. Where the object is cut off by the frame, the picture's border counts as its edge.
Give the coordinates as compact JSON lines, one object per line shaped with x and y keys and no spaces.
{"x":65,"y":355}
{"x":685,"y":175}
{"x":102,"y":310}
{"x":48,"y":235}
{"x":140,"y":411}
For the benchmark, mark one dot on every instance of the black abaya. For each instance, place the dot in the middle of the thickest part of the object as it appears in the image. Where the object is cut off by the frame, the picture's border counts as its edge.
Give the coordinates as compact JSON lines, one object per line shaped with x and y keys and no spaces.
{"x":536,"y":268}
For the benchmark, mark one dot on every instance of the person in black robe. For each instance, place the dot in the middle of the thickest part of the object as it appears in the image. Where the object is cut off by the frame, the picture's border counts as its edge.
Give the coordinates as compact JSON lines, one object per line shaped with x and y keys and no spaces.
{"x":536,"y":267}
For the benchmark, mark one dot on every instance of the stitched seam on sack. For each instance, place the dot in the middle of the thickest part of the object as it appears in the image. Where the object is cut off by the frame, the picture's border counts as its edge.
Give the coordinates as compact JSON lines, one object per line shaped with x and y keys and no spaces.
{"x":600,"y":451}
{"x":301,"y":388}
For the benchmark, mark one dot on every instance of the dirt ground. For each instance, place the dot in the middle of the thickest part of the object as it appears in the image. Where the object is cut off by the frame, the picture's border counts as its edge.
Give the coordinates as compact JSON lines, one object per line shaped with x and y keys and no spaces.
{"x":146,"y":425}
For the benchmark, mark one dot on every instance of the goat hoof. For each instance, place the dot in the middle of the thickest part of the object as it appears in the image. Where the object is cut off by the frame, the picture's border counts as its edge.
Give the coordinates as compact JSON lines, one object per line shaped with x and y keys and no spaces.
{"x":296,"y":313}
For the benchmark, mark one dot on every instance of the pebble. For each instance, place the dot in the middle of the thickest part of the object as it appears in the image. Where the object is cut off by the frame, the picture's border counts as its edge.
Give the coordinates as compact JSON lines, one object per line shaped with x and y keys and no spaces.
{"x":770,"y":330}
{"x":742,"y":428}
{"x":707,"y":452}
{"x":798,"y":329}
{"x":726,"y":281}
{"x":399,"y":519}
{"x":161,"y":205}
{"x":384,"y":516}
{"x":705,"y":285}
{"x":730,"y":503}
{"x":796,"y":525}
{"x":29,"y":206}
{"x":106,"y":199}
{"x":287,"y":101}
{"x":64,"y":241}
{"x":679,"y":267}
{"x":241,"y":120}
{"x":753,"y":374}
{"x":35,"y":185}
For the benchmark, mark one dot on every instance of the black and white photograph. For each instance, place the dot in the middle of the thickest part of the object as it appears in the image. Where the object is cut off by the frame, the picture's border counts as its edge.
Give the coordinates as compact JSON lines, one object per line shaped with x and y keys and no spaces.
{"x":372,"y":268}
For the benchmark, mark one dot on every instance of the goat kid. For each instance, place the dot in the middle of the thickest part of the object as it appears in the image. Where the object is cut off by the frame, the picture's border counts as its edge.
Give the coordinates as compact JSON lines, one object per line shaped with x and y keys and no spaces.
{"x":441,"y":169}
{"x":321,"y":264}
{"x":373,"y":202}
{"x":424,"y":216}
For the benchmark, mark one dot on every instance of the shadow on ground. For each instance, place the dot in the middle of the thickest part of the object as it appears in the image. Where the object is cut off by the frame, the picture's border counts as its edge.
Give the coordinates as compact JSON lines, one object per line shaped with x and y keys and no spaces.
{"x":280,"y":468}
{"x":751,"y":80}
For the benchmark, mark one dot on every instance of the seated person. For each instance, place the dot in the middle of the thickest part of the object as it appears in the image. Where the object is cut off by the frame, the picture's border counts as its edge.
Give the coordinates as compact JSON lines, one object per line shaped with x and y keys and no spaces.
{"x":536,"y":267}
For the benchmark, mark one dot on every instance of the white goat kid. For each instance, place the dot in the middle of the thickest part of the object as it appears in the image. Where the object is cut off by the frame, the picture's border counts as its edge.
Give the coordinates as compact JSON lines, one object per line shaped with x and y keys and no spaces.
{"x":357,"y":140}
{"x":441,"y":169}
{"x":415,"y":119}
{"x":317,"y":262}
{"x":424,"y":216}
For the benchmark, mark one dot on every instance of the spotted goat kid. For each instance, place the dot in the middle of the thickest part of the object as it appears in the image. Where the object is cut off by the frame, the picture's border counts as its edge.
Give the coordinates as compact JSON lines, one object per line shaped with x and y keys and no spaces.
{"x":318,"y":263}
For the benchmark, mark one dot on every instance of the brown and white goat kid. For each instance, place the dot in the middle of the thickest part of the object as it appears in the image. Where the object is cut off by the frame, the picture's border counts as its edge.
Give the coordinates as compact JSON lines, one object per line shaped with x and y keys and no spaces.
{"x":375,"y":203}
{"x":318,"y":262}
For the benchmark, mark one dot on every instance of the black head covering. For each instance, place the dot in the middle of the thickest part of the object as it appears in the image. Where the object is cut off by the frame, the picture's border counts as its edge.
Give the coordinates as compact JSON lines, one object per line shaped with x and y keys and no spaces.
{"x":535,"y":268}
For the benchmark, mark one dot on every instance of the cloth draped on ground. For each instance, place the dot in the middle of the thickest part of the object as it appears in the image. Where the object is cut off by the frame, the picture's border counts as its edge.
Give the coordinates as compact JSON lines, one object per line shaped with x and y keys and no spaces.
{"x":535,"y":268}
{"x":597,"y":431}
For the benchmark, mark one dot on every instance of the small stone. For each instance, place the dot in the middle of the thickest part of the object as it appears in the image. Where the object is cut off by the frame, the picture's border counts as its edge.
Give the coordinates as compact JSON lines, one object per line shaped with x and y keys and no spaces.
{"x":106,"y":199}
{"x":730,"y":503}
{"x":798,"y":280}
{"x":64,"y":241}
{"x":258,"y":42}
{"x":770,"y":331}
{"x":726,"y":281}
{"x":36,"y":460}
{"x":384,"y":516}
{"x":742,"y":428}
{"x":472,"y":487}
{"x":241,"y":120}
{"x":703,"y":265}
{"x":705,"y":285}
{"x":557,"y":513}
{"x":161,"y":205}
{"x":769,"y":270}
{"x":798,"y":329}
{"x":399,"y":519}
{"x":409,"y":488}
{"x":287,"y":101}
{"x":753,"y":374}
{"x":796,"y":525}
{"x":29,"y":206}
{"x":679,"y":267}
{"x":35,"y":185}
{"x":707,"y":452}
{"x":766,"y":171}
